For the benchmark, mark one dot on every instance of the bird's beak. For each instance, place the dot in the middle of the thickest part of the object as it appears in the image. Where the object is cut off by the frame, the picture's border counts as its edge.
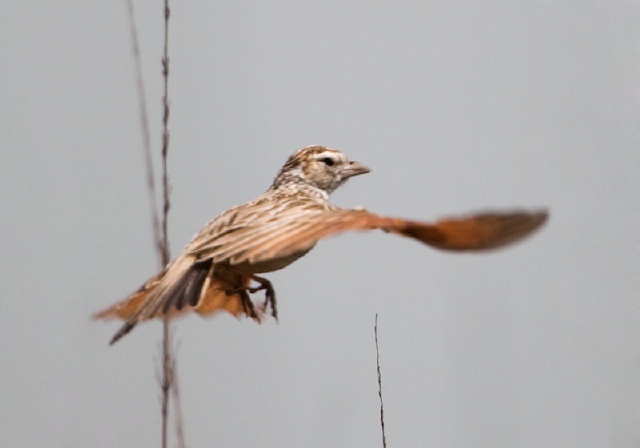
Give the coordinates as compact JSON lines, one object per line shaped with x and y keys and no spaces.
{"x":354,"y":169}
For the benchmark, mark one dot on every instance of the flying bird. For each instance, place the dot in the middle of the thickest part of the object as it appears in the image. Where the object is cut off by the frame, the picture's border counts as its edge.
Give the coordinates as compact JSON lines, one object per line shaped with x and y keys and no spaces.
{"x":218,"y":270}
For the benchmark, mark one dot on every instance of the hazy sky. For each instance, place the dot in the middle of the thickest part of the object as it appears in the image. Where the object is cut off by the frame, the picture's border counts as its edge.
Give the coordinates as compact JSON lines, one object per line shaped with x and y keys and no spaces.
{"x":455,"y":106}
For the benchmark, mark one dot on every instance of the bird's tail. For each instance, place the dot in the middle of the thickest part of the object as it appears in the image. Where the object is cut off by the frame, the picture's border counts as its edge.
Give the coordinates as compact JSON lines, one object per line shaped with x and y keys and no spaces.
{"x":183,"y":285}
{"x":132,"y":303}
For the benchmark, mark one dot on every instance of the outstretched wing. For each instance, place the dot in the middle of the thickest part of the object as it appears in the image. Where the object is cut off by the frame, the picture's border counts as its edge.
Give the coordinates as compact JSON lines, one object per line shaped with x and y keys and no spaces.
{"x":284,"y":238}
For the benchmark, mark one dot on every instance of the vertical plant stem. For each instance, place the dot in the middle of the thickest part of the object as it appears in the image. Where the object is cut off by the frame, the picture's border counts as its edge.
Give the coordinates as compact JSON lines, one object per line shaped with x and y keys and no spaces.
{"x":384,"y":434}
{"x":146,"y":134}
{"x":177,"y":409}
{"x":168,"y":351}
{"x":167,"y":376}
{"x":165,"y":134}
{"x":166,"y":380}
{"x":168,"y":365}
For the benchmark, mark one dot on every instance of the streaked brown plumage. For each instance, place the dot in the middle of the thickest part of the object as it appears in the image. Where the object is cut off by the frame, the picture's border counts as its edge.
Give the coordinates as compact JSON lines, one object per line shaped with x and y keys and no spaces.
{"x":217,"y":268}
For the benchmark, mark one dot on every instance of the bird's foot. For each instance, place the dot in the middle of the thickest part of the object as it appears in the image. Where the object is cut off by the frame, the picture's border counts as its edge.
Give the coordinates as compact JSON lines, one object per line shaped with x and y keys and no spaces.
{"x":269,"y":297}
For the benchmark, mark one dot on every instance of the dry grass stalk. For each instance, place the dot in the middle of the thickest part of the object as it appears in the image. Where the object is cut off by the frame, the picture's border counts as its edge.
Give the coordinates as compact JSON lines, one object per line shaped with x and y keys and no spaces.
{"x":384,"y":435}
{"x":167,"y":376}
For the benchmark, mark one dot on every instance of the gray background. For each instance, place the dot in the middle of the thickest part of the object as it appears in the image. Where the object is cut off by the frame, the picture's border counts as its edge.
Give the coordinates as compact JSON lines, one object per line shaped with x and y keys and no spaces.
{"x":455,"y":105}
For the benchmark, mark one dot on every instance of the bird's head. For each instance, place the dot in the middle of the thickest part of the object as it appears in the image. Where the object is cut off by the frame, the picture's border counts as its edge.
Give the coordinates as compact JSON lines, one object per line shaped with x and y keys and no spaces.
{"x":320,"y":167}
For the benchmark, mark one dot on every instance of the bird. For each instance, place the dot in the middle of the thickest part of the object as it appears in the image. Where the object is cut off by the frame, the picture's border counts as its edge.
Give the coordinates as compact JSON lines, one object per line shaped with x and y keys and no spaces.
{"x":219,"y":268}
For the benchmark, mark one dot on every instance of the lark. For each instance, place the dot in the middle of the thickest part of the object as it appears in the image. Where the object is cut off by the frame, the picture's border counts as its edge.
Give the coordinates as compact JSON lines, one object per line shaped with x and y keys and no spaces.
{"x":218,"y":270}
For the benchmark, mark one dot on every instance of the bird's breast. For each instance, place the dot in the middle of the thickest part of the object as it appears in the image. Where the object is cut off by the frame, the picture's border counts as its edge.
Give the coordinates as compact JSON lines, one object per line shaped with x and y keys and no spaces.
{"x":272,"y":264}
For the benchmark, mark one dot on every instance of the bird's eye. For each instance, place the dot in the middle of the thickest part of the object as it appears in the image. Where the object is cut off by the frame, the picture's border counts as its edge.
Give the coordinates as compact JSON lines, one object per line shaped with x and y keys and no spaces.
{"x":328,"y":161}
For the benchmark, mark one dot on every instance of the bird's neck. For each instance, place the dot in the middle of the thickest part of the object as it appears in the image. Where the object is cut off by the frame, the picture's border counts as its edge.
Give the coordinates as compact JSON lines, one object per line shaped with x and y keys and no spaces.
{"x":298,"y":187}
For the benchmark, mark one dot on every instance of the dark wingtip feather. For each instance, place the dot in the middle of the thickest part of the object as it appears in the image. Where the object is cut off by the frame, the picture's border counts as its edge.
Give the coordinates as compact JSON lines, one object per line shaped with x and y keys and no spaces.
{"x":187,"y":290}
{"x":126,"y":328}
{"x":193,"y":290}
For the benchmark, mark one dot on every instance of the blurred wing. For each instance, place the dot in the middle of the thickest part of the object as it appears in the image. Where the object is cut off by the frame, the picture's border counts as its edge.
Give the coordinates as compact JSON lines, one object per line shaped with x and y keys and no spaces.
{"x":284,"y":238}
{"x":476,"y":232}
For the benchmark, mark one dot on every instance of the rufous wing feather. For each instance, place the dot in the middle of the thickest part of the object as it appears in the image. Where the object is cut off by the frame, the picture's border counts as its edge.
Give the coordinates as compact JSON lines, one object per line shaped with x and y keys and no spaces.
{"x":477,"y":232}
